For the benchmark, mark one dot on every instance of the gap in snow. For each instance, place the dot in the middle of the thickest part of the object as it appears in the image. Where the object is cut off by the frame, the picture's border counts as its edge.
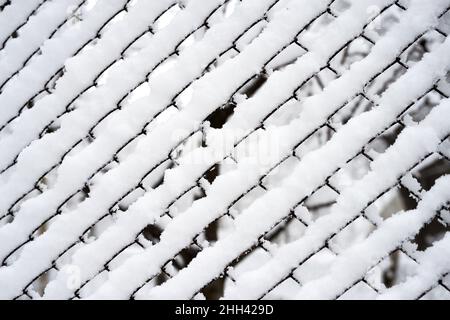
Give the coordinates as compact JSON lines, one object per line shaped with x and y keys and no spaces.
{"x":4,"y":5}
{"x":286,"y":57}
{"x":48,"y":181}
{"x":163,"y":67}
{"x":254,"y":85}
{"x":355,"y":51}
{"x":128,"y":200}
{"x":51,"y":84}
{"x":165,"y":19}
{"x":430,"y":170}
{"x":392,"y":270}
{"x":163,"y":117}
{"x":433,"y":231}
{"x":118,"y":17}
{"x":185,"y":97}
{"x":139,"y":44}
{"x":131,"y":3}
{"x":5,"y":220}
{"x":285,"y":114}
{"x":315,"y":29}
{"x":193,"y":38}
{"x":103,"y":79}
{"x":383,"y":22}
{"x":140,"y":92}
{"x":155,"y":178}
{"x":280,"y":5}
{"x":53,"y":127}
{"x":152,"y":232}
{"x":340,"y":6}
{"x":250,"y":35}
{"x":220,"y":116}
{"x":90,"y":4}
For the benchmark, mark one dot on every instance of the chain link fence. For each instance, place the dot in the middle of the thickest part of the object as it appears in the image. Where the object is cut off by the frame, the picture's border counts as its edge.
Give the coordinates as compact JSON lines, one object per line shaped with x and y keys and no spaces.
{"x":279,"y":122}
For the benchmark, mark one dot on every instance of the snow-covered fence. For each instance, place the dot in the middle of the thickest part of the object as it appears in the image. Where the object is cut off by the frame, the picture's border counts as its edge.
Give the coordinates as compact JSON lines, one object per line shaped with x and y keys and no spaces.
{"x":221,"y":148}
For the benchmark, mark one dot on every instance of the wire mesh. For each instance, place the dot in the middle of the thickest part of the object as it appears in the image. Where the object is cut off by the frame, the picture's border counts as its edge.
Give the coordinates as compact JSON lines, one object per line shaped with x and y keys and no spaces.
{"x":383,"y":274}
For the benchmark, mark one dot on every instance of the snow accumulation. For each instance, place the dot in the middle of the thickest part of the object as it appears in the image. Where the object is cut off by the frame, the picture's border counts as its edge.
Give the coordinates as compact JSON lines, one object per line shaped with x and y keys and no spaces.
{"x":235,"y":149}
